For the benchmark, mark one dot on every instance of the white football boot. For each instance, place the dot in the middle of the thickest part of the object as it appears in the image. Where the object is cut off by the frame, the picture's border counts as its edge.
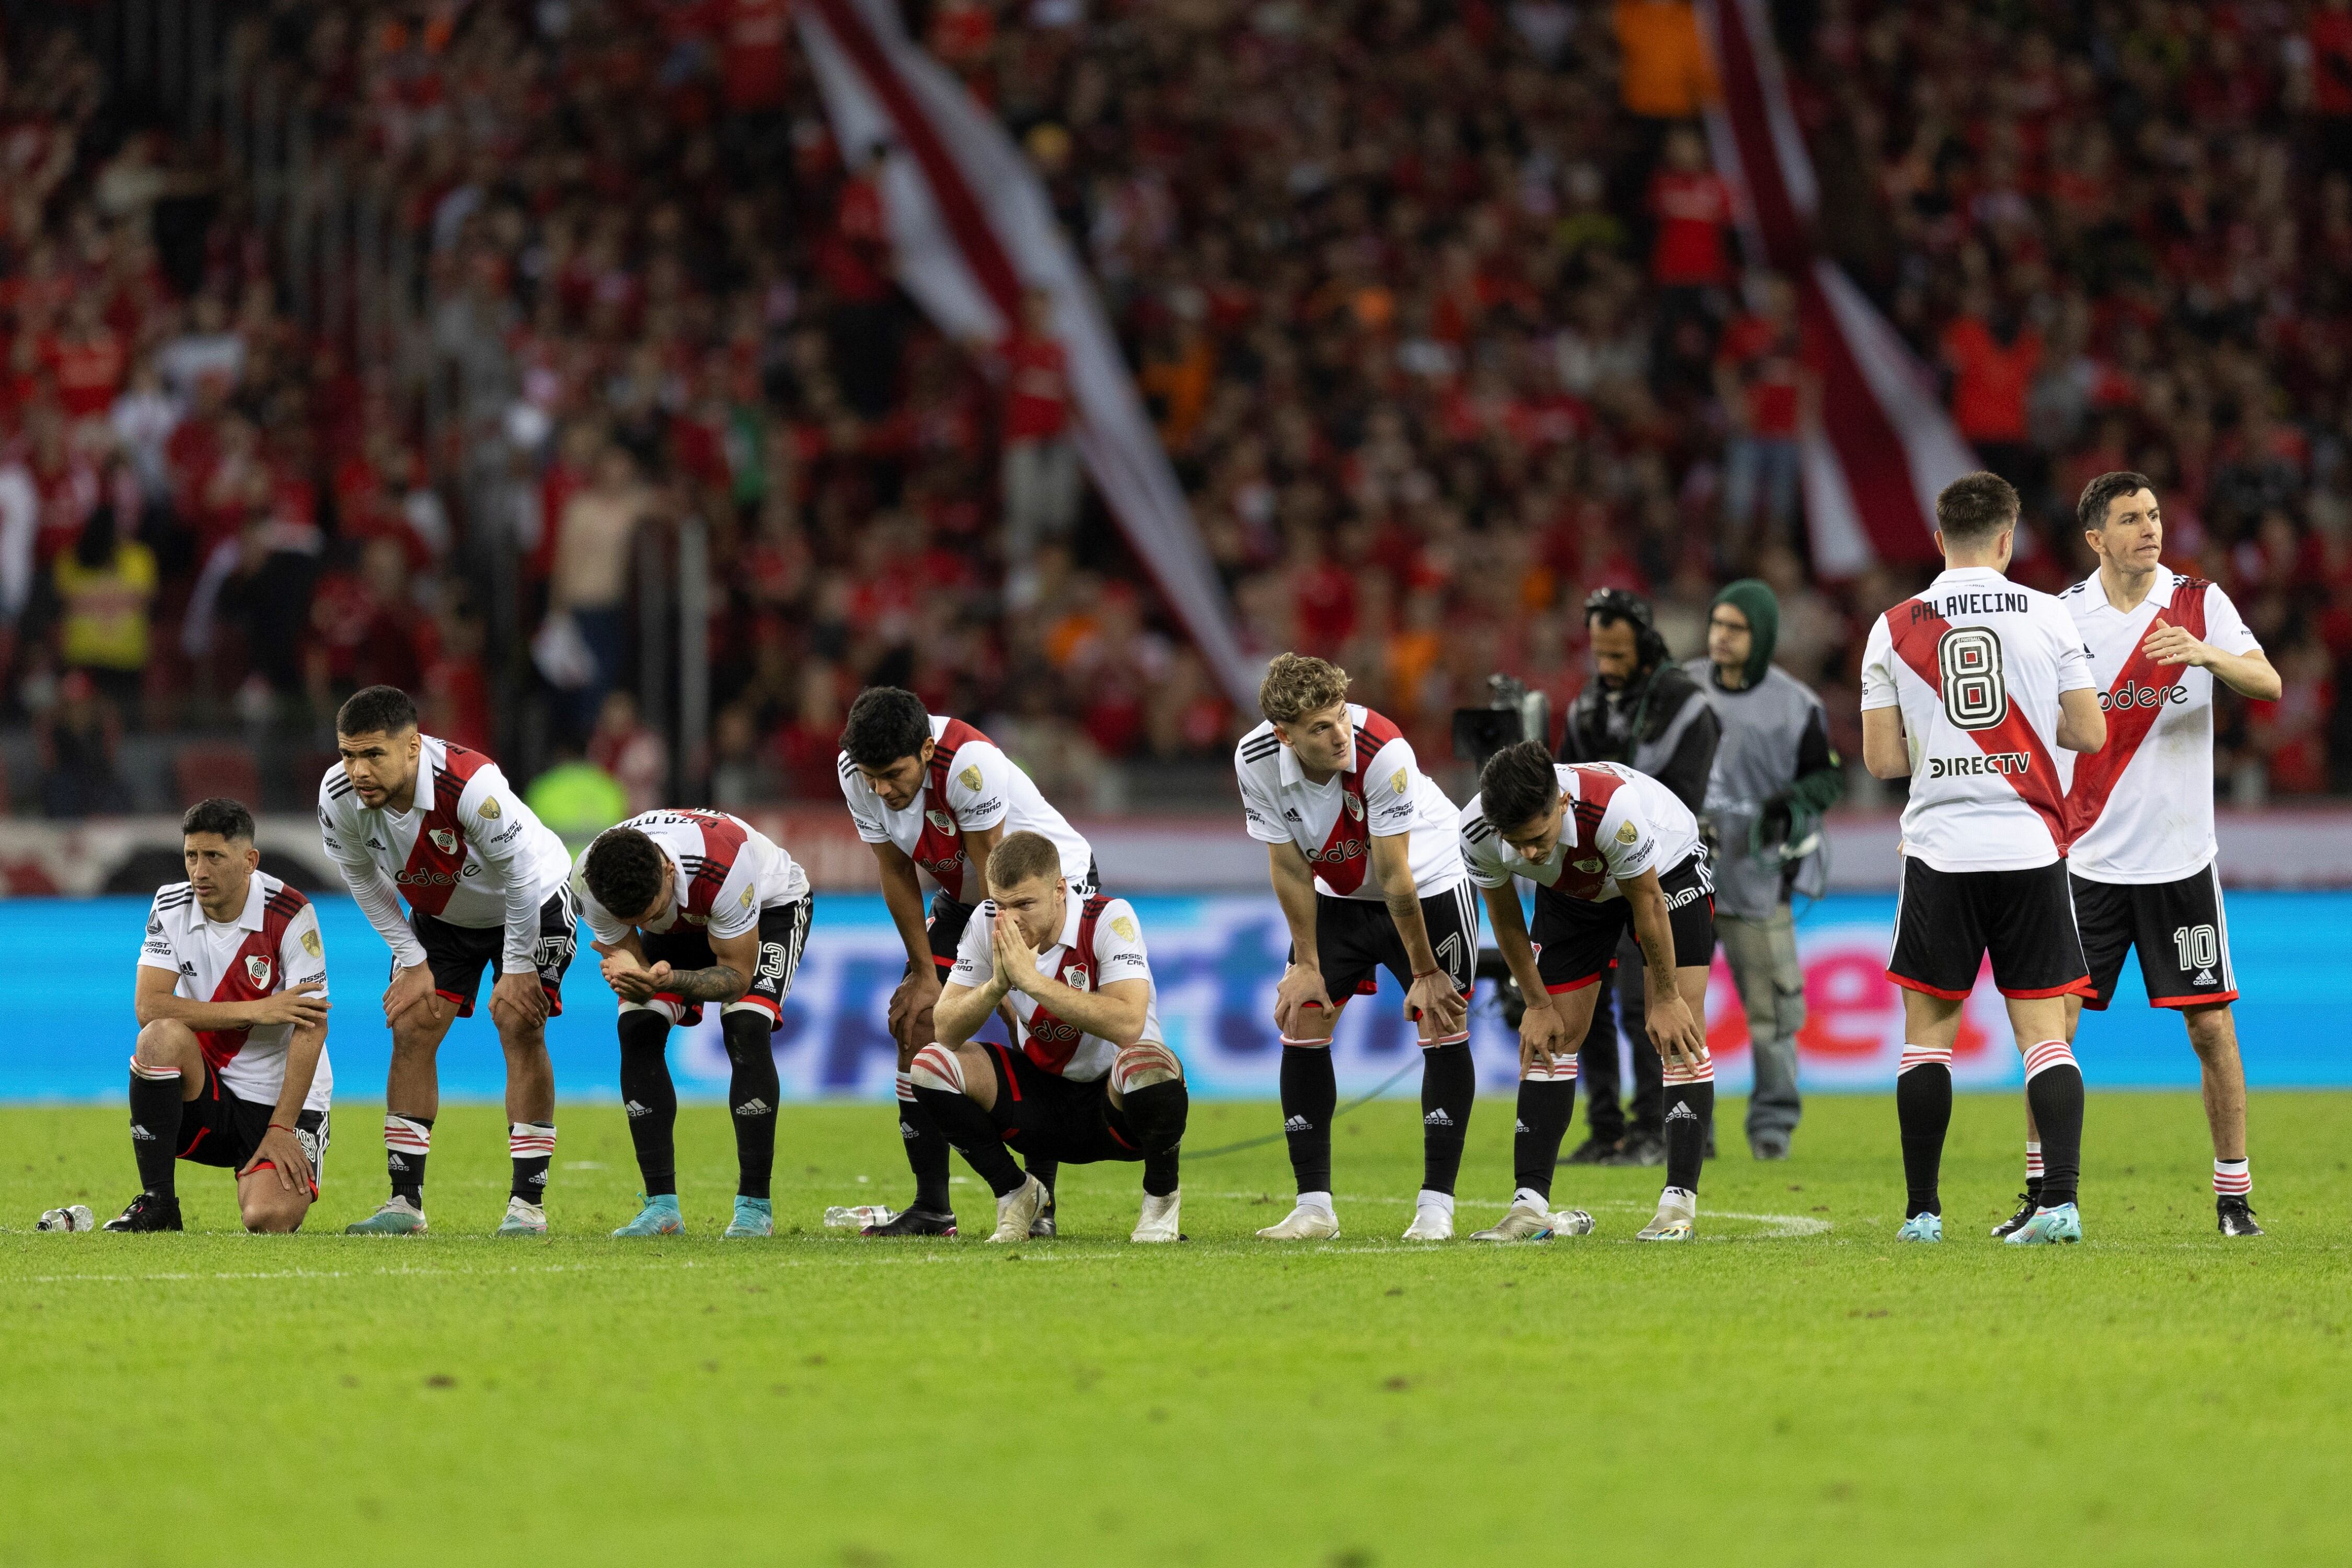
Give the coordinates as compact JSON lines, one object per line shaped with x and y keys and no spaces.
{"x":1304,"y":1223}
{"x":1533,"y":1222}
{"x":1431,"y":1222}
{"x":1159,"y":1222}
{"x":1016,"y":1209}
{"x":523,"y":1218}
{"x":1677,"y":1211}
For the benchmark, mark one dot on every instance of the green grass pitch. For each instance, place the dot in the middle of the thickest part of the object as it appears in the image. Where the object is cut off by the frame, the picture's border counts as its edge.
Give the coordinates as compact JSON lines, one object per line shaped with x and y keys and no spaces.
{"x":1793,"y":1389}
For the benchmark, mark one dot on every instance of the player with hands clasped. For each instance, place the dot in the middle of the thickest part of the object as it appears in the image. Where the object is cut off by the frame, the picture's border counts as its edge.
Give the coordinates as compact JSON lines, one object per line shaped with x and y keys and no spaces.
{"x":688,"y":909}
{"x":1091,"y":1079}
{"x":231,"y":1065}
{"x":933,"y":797}
{"x":409,"y":816}
{"x":1363,"y":850}
{"x":1608,"y":847}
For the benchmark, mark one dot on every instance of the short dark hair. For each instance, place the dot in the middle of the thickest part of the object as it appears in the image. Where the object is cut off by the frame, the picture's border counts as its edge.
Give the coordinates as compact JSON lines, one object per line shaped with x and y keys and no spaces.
{"x":219,"y":815}
{"x":376,"y":710}
{"x":2091,"y":511}
{"x":884,"y":723}
{"x":1518,"y":785}
{"x":623,"y":871}
{"x":1975,"y":507}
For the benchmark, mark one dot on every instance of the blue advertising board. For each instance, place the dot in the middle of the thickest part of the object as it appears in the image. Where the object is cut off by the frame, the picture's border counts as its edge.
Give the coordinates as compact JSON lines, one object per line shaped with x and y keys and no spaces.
{"x":65,"y":983}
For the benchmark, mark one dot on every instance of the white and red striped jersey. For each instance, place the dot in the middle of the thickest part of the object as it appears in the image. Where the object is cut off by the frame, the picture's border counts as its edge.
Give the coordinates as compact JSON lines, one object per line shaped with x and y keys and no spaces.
{"x":467,"y":850}
{"x":1381,"y":792}
{"x":969,"y":787}
{"x":1618,"y":823}
{"x":2140,"y":808}
{"x":1976,"y":664}
{"x":1101,"y":942}
{"x":727,"y":871}
{"x":273,"y":945}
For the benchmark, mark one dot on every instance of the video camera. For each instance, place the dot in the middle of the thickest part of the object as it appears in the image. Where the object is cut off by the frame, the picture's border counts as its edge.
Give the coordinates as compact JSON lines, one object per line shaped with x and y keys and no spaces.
{"x":1512,"y":714}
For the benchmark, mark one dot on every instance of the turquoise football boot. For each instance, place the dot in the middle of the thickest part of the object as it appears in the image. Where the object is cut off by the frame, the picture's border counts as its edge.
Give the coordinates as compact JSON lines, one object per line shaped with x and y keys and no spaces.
{"x":753,"y":1216}
{"x":1922,"y":1227}
{"x":659,"y":1217}
{"x":2062,"y":1223}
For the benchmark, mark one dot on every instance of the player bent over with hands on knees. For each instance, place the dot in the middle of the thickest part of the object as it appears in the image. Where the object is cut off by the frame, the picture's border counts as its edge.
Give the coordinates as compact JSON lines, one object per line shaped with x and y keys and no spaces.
{"x":689,"y":907}
{"x":1366,"y":860}
{"x":933,"y":795}
{"x":1607,"y":848}
{"x":1970,"y":690}
{"x":406,"y":814}
{"x":231,"y":1065}
{"x":1092,"y":1079}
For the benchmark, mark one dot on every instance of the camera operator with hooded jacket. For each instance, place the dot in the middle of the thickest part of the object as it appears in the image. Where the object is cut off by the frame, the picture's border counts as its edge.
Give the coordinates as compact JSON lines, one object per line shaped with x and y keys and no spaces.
{"x":1775,"y":773}
{"x":1644,"y":710}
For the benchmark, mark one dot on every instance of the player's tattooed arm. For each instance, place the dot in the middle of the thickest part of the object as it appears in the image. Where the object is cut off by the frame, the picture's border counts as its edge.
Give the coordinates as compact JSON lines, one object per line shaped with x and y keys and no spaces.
{"x":1677,"y":1031}
{"x":725,"y":980}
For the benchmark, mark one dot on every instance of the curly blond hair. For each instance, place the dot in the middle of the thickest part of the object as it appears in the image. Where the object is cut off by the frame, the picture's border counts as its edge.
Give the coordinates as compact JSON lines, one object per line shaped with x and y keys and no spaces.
{"x":1298,"y":684}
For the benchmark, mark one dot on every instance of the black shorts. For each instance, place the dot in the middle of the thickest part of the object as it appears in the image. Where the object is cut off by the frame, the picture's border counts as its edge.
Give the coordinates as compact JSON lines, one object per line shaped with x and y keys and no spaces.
{"x":784,"y":934}
{"x":1355,"y":939}
{"x":216,"y":1128}
{"x":949,"y":916}
{"x":1048,"y":1117}
{"x":460,"y":954}
{"x":2180,"y":928}
{"x":1576,"y":940}
{"x":1945,"y":922}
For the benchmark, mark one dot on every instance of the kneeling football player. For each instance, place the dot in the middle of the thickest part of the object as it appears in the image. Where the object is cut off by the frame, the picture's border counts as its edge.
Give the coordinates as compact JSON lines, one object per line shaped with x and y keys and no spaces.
{"x":1092,"y":1079}
{"x":689,"y":907}
{"x":1606,"y":846}
{"x":231,"y":1065}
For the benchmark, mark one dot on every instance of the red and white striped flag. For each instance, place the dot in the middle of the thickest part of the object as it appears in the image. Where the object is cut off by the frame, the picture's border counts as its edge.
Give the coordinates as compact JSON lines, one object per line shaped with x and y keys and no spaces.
{"x":969,"y":228}
{"x":1882,"y":445}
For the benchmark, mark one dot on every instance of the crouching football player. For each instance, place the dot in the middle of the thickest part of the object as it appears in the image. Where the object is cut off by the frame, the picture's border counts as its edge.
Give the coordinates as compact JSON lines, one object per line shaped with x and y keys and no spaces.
{"x":689,"y":907}
{"x":1607,"y":848}
{"x":1092,"y":1079}
{"x":231,"y":1066}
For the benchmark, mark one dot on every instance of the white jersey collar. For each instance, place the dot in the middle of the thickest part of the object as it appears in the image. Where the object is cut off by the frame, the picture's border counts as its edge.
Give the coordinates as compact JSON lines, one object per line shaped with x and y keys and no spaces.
{"x":1966,"y":574}
{"x":1292,"y":774}
{"x":249,"y":919}
{"x":2159,"y":592}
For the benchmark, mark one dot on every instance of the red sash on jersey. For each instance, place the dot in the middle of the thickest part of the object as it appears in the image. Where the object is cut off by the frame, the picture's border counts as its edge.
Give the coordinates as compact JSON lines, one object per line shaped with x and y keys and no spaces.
{"x":252,"y":974}
{"x":2133,"y":704}
{"x":1051,"y":1043}
{"x":1917,"y":629}
{"x":939,"y":851}
{"x":1346,"y":850}
{"x":1583,"y":868}
{"x":722,"y":843}
{"x":437,"y":859}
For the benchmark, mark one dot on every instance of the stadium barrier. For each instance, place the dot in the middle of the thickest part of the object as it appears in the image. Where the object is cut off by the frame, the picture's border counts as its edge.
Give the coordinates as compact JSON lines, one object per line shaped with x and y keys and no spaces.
{"x":67,"y":988}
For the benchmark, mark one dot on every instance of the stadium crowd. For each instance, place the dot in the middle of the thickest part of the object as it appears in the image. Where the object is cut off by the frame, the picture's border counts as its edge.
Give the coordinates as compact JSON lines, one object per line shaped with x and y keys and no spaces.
{"x":1439,"y":309}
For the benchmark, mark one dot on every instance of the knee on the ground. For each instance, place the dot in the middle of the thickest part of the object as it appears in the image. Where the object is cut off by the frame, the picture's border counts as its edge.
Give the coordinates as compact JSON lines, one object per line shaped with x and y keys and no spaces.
{"x":273,"y":1211}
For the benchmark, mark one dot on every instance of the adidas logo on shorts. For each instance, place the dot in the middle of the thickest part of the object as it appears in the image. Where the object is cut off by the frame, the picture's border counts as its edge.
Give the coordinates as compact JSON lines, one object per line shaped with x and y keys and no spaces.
{"x":1298,"y":1124}
{"x":2204,"y":977}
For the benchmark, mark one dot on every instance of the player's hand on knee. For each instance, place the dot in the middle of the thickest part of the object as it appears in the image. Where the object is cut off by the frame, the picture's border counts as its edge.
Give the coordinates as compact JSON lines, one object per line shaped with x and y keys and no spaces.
{"x":1432,"y":1002}
{"x":518,"y":1001}
{"x":409,"y":987}
{"x":1302,"y":1007}
{"x":1543,"y":1036}
{"x":1680,"y":1041}
{"x":283,"y":1150}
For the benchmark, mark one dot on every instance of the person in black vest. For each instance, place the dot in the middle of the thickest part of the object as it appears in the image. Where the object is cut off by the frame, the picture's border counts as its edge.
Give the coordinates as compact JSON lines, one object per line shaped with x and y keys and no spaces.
{"x":1640,"y":709}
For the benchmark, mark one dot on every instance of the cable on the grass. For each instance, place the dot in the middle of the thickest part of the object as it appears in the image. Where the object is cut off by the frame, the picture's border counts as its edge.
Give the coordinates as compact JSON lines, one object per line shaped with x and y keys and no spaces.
{"x":1388,"y":1083}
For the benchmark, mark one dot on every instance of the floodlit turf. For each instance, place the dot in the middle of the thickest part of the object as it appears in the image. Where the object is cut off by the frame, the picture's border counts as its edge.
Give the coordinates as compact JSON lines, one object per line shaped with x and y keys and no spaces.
{"x":1795,"y":1388}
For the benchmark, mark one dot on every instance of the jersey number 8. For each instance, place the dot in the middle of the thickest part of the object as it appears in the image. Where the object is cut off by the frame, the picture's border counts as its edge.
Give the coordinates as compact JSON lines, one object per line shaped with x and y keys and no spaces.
{"x":1975,"y":695}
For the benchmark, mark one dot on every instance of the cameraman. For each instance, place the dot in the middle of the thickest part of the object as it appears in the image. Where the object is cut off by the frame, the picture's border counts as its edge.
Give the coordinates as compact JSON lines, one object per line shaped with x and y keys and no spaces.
{"x":1642,"y":709}
{"x":1774,"y":775}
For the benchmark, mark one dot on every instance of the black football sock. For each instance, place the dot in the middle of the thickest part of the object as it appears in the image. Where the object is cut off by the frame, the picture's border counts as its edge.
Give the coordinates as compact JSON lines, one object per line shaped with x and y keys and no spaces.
{"x":957,"y":1119}
{"x":531,"y":1146}
{"x":927,"y":1149}
{"x":1690,"y":1113}
{"x":2054,"y":1088}
{"x":1449,"y":1083}
{"x":407,"y":1141}
{"x":156,"y":1128}
{"x":1545,"y":1107}
{"x":753,"y":1089}
{"x":1310,"y":1093}
{"x":1922,"y":1106}
{"x":1045,"y":1170}
{"x":650,"y":1099}
{"x":1158,"y":1112}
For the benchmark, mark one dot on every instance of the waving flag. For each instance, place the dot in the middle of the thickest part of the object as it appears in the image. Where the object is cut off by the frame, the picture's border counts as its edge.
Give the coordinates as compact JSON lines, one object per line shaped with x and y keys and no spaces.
{"x":969,"y":228}
{"x":1882,"y":445}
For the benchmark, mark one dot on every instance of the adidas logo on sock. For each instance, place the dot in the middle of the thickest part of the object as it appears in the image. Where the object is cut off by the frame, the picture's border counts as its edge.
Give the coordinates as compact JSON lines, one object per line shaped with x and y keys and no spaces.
{"x":907,"y":1132}
{"x":1298,"y":1124}
{"x":536,"y":1179}
{"x":636,"y":1110}
{"x":754,"y":1106}
{"x":1682,"y":1112}
{"x":1521,"y":1127}
{"x":2204,"y":977}
{"x":1437,"y":1118}
{"x":141,"y":1134}
{"x":395,"y":1162}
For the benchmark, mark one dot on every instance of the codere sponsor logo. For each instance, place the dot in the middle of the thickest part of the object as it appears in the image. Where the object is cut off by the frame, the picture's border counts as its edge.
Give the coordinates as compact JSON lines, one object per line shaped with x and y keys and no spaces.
{"x":2135,"y":694}
{"x":1988,"y":762}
